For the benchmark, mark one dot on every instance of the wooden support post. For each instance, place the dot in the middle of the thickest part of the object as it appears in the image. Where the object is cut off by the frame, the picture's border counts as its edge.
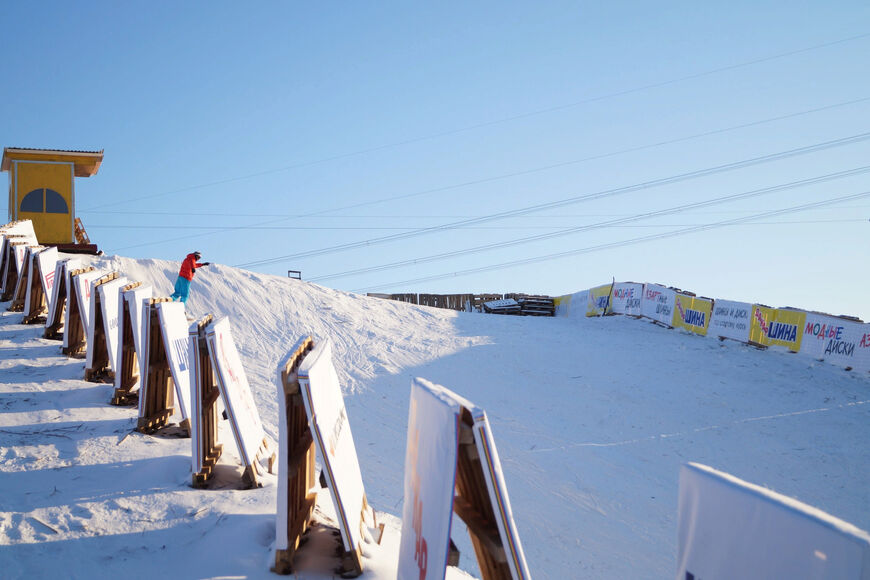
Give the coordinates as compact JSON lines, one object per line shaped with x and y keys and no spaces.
{"x":299,"y":477}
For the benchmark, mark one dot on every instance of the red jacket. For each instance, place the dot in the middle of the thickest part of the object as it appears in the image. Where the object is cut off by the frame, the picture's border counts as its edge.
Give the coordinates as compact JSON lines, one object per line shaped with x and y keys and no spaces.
{"x":188,"y":266}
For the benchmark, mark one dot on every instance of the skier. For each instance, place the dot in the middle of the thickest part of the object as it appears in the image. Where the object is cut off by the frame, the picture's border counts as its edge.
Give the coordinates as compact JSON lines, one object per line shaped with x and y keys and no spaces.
{"x":185,"y":276}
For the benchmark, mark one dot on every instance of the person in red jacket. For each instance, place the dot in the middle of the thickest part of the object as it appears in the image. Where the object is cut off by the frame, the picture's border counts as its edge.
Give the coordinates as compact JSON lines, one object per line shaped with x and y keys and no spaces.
{"x":185,"y":276}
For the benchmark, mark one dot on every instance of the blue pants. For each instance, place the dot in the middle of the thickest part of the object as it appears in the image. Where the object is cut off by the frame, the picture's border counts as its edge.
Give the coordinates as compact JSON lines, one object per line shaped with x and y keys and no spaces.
{"x":182,"y":290}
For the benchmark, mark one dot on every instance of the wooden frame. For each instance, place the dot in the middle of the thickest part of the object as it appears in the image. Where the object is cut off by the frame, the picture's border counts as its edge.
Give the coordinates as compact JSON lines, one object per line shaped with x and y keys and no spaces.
{"x":204,"y":405}
{"x":157,"y":406}
{"x":299,"y":452}
{"x":37,"y":306}
{"x":10,"y":271}
{"x":128,"y":362}
{"x":74,"y":332}
{"x":472,"y":505}
{"x":100,"y":370}
{"x":19,"y":294}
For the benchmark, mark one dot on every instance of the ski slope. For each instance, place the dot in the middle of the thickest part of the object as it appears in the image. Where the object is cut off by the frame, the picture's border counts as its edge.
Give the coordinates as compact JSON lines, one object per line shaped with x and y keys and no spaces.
{"x":592,"y":419}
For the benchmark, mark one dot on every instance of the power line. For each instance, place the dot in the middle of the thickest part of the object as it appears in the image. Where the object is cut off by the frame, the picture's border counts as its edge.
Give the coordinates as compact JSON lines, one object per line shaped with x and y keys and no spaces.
{"x":611,"y":223}
{"x":572,"y":200}
{"x":516,"y":174}
{"x":499,"y":121}
{"x":622,"y":243}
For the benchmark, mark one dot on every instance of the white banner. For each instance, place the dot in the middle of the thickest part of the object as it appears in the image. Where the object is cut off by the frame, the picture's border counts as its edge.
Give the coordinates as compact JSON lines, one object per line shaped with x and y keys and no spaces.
{"x":23,"y":282}
{"x":498,"y":496}
{"x":109,"y":300}
{"x":47,"y":267}
{"x":197,"y":433}
{"x":33,"y":273}
{"x":430,"y":476}
{"x":839,"y":341}
{"x":572,"y":305}
{"x":60,"y":274}
{"x":81,"y":286}
{"x":134,"y":300}
{"x":625,"y":298}
{"x":658,"y":303}
{"x":92,"y":326}
{"x":235,"y":390}
{"x":173,"y":326}
{"x":728,"y":528}
{"x":327,"y":417}
{"x":731,"y":320}
{"x":20,"y":252}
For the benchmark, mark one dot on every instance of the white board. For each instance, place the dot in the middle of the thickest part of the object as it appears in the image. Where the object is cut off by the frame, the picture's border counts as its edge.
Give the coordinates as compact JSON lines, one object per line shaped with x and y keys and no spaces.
{"x":625,"y":298}
{"x":134,"y":299}
{"x":92,"y":326}
{"x":32,"y":272}
{"x":60,"y":273}
{"x":839,"y":341}
{"x":658,"y":303}
{"x":235,"y":390}
{"x":730,"y":320}
{"x":47,"y":269}
{"x":23,"y":282}
{"x":430,"y":479}
{"x":327,"y":418}
{"x":196,"y":427}
{"x":109,"y":301}
{"x":498,"y":495}
{"x":79,"y":285}
{"x":728,"y":528}
{"x":173,"y":326}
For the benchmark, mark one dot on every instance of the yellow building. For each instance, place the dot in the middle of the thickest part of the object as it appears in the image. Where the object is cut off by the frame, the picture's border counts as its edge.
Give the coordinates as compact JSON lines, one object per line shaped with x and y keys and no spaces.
{"x":42,"y":188}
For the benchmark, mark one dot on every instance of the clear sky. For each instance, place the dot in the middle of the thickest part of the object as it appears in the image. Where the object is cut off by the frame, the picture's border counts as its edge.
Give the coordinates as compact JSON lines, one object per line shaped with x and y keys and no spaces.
{"x":258,"y":133}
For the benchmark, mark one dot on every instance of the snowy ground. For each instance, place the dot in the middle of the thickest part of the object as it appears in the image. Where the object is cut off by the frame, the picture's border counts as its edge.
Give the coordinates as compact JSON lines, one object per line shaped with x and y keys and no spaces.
{"x":592,"y":419}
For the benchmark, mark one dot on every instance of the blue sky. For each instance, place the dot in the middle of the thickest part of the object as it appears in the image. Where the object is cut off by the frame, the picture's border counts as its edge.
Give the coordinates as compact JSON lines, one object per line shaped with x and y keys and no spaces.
{"x":258,"y":133}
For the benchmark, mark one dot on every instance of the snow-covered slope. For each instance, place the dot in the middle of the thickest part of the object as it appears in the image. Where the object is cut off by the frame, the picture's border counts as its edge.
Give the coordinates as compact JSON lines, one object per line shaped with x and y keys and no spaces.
{"x":592,"y":419}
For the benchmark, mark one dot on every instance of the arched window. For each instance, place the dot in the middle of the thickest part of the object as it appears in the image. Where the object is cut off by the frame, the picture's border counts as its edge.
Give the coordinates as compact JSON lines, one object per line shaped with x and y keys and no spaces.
{"x":33,"y":201}
{"x":54,"y":202}
{"x":44,"y":200}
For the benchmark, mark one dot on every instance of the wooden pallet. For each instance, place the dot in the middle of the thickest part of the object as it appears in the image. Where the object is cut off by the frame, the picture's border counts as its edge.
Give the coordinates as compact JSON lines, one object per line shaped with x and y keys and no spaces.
{"x":300,"y":455}
{"x":100,"y":370}
{"x":10,"y":270}
{"x":205,"y":405}
{"x":128,"y":364}
{"x":37,"y":306}
{"x":159,"y":387}
{"x":74,"y":329}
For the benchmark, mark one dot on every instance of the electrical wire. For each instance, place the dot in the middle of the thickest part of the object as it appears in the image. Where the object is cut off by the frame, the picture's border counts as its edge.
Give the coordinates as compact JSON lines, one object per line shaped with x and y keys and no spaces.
{"x":572,"y":200}
{"x":499,"y":121}
{"x":612,"y":245}
{"x":610,"y":223}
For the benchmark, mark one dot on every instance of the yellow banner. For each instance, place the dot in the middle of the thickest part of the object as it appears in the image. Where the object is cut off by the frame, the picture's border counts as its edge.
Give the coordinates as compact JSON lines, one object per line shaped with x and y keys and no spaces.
{"x":692,"y":313}
{"x":777,"y":327}
{"x":599,"y":298}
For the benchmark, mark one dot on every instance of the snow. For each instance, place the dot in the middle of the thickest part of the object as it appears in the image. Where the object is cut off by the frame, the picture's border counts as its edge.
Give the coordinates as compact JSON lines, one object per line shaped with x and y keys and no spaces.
{"x":592,"y":418}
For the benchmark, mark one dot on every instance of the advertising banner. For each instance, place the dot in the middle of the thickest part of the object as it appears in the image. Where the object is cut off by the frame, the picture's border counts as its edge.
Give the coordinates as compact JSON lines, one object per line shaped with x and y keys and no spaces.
{"x":235,"y":390}
{"x":572,"y":305}
{"x":599,"y":299}
{"x":62,"y":282}
{"x":92,"y":324}
{"x":728,"y":528}
{"x":173,"y":326}
{"x":433,"y":437}
{"x":32,"y":272}
{"x":777,"y":327}
{"x":731,"y":320}
{"x":197,"y":429}
{"x":47,"y":269}
{"x":657,"y":303}
{"x":82,"y":286}
{"x":134,"y":299}
{"x":625,"y":298}
{"x":836,"y":340}
{"x":324,"y":405}
{"x":109,"y":300}
{"x":692,"y":313}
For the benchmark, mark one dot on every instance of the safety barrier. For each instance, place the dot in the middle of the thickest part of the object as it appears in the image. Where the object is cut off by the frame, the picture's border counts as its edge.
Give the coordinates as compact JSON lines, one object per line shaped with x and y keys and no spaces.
{"x":840,"y":340}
